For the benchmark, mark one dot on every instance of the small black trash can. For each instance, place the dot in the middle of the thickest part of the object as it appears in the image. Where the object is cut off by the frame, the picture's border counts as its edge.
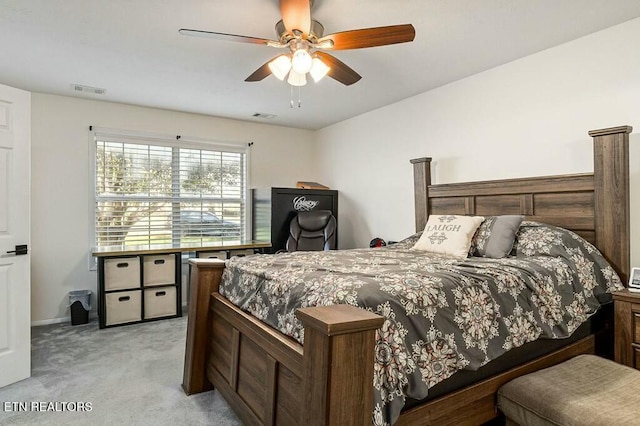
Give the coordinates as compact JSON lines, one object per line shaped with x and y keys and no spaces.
{"x":80,"y":303}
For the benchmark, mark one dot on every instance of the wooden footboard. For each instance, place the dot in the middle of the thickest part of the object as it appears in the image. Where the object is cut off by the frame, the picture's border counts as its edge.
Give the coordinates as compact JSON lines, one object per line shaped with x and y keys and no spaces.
{"x":268,"y":378}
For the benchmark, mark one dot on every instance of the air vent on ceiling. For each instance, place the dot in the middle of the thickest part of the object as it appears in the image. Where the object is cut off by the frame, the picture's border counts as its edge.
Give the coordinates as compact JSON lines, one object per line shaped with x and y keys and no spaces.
{"x":264,"y":115}
{"x":89,"y":89}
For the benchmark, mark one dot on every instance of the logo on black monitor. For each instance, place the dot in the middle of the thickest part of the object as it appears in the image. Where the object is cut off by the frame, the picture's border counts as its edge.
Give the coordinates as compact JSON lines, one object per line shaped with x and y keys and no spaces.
{"x":301,"y":204}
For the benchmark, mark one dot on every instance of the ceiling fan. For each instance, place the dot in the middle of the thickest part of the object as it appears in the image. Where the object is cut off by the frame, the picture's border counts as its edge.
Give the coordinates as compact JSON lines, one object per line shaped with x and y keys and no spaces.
{"x":306,"y":42}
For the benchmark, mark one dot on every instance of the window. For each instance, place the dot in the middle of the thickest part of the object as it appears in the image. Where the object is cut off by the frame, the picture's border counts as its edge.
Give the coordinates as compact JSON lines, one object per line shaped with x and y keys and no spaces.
{"x":151,"y":190}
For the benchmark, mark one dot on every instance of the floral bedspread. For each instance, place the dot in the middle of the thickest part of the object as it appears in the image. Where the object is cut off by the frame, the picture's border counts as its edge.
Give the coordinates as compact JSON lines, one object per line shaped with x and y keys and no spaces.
{"x":441,"y":314}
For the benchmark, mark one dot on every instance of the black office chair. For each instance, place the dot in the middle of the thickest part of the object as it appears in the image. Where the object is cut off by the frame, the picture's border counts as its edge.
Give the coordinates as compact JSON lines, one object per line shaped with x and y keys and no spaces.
{"x":312,"y":231}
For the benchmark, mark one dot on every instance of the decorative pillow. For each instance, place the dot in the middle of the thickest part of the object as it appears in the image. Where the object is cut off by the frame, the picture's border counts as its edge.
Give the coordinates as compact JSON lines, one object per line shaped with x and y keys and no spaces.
{"x":495,"y":236}
{"x":449,"y":234}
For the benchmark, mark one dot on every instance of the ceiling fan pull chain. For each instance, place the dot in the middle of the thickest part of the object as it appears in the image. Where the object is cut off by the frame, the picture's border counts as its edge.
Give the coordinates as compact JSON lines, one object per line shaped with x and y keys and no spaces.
{"x":299,"y":101}
{"x":291,"y":101}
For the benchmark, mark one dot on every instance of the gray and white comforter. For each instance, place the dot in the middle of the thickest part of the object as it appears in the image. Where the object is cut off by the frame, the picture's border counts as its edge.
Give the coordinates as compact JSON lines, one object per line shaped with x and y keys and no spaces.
{"x":441,"y":314}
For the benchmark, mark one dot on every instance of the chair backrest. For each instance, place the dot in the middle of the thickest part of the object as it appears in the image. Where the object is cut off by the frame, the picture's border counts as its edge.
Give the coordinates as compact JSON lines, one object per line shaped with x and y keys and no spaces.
{"x":314,"y":230}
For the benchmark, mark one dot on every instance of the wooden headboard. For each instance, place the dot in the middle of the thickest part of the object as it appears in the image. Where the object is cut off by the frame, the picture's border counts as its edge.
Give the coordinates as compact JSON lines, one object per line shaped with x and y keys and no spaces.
{"x":594,"y":205}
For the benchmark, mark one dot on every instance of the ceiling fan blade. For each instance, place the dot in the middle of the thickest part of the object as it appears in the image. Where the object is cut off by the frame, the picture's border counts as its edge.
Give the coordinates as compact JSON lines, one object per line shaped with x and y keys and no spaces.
{"x":339,"y":70}
{"x":225,"y":37}
{"x":296,"y":15}
{"x":371,"y":37}
{"x":261,"y":73}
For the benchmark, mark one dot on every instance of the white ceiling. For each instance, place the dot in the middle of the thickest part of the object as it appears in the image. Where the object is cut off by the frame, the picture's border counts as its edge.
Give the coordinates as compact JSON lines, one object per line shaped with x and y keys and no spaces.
{"x":134,"y":51}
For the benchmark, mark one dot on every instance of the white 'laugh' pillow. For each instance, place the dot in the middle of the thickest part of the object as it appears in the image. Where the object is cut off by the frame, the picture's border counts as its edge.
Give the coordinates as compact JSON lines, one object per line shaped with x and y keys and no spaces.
{"x":449,"y":234}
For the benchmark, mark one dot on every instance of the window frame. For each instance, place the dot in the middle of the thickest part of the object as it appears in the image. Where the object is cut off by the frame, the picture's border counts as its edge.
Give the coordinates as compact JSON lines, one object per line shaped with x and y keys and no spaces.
{"x":145,"y":138}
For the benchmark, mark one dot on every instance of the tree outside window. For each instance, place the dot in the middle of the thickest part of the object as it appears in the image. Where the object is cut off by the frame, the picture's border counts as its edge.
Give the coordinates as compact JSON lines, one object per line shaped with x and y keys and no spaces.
{"x":151,"y":194}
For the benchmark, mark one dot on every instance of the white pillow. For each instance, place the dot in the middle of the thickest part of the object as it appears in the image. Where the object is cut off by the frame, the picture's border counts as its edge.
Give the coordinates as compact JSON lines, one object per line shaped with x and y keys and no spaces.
{"x":449,"y":234}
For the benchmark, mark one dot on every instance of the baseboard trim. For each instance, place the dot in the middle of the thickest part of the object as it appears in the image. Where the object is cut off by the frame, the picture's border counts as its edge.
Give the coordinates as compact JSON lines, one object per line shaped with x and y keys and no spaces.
{"x":57,"y":321}
{"x":50,"y":321}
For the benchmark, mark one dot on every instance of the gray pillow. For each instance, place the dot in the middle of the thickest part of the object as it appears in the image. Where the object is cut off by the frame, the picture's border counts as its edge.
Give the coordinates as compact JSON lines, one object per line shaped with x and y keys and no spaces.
{"x":495,"y":236}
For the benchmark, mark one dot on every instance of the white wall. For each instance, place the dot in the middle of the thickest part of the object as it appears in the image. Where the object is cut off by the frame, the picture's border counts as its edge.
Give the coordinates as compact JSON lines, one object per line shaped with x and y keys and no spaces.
{"x":526,"y":118}
{"x":60,"y":201}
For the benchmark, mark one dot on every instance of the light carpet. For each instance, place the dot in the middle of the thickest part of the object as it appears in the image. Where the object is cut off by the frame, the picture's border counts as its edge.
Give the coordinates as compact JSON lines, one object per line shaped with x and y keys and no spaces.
{"x":131,"y":376}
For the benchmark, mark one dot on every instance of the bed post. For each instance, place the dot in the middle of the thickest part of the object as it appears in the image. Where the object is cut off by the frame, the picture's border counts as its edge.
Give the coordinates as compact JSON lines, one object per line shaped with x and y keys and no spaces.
{"x":421,"y":182}
{"x":337,"y":375}
{"x":611,"y":192}
{"x":204,"y":279}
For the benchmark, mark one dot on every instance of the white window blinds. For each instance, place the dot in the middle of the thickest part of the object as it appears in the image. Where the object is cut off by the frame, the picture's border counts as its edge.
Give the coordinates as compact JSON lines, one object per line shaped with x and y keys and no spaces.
{"x":151,"y":191}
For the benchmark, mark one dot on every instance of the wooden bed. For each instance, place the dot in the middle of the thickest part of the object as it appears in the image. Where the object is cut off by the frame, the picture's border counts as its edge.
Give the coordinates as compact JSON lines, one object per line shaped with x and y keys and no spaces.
{"x":269,"y":378}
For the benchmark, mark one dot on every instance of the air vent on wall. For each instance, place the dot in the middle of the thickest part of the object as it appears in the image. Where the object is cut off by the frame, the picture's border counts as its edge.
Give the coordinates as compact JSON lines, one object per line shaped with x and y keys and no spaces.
{"x":264,"y":115}
{"x":89,"y":89}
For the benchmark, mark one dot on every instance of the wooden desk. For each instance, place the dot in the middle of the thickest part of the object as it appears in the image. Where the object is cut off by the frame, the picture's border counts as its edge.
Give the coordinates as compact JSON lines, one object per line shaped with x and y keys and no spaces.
{"x":168,"y":248}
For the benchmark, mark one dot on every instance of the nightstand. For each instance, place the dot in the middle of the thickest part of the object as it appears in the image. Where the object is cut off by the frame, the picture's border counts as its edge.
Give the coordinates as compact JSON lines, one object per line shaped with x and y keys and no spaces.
{"x":627,"y":328}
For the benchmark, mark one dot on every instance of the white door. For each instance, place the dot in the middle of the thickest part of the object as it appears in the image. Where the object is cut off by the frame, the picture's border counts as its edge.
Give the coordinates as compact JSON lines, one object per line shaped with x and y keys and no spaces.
{"x":15,"y":284}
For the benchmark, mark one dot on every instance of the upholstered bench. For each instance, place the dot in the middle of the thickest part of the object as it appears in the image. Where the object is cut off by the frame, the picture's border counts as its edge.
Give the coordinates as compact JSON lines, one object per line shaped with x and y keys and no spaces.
{"x":586,"y":390}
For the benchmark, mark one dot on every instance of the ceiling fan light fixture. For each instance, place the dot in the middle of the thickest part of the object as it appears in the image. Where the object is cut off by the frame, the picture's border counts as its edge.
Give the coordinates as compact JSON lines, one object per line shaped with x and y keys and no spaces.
{"x":296,"y":78}
{"x":318,"y":69}
{"x":280,"y":66}
{"x":304,"y":39}
{"x":301,"y":61}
